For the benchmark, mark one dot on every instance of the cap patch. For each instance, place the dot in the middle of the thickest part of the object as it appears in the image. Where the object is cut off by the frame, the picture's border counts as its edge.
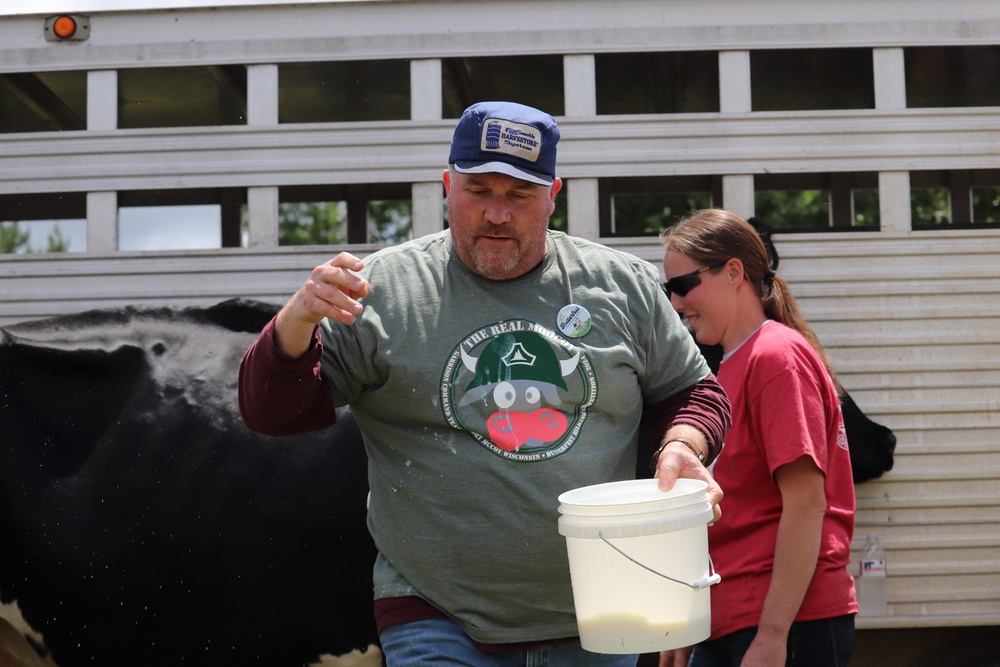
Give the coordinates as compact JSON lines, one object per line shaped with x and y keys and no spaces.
{"x":514,"y":139}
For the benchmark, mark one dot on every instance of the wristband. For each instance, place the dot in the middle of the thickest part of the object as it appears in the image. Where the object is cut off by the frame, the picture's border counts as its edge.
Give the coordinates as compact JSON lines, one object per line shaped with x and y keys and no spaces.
{"x":694,"y":450}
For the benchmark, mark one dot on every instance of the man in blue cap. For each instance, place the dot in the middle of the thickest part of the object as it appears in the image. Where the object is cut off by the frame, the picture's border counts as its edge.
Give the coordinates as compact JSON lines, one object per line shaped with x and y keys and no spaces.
{"x":491,"y":367}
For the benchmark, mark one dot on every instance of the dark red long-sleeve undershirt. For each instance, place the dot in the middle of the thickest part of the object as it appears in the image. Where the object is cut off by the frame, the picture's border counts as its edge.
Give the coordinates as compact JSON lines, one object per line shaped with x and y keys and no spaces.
{"x":279,"y":395}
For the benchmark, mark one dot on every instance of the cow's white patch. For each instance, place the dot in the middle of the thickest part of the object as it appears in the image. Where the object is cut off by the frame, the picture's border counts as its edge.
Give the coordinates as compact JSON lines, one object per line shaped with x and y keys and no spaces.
{"x":14,"y":647}
{"x":370,"y":657}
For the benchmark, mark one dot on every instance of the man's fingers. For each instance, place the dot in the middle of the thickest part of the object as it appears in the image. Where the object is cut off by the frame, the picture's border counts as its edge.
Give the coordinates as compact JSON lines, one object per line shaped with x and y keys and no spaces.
{"x":333,"y":290}
{"x":675,"y":462}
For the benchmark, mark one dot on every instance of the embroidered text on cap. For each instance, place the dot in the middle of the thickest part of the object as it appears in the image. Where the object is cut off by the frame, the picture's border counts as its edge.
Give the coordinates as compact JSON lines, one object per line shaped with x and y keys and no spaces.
{"x":514,"y":139}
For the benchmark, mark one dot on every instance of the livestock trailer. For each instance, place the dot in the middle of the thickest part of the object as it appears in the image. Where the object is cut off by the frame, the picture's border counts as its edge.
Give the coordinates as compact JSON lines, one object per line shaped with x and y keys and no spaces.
{"x":865,"y":132}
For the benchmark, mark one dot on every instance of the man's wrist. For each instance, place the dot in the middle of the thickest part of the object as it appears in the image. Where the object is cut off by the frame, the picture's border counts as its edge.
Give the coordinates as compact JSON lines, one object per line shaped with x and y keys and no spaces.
{"x":694,"y":449}
{"x":699,"y":454}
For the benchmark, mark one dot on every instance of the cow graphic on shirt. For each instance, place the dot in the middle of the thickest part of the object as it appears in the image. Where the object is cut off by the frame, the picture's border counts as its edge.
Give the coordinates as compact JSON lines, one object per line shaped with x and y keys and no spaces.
{"x":508,"y":385}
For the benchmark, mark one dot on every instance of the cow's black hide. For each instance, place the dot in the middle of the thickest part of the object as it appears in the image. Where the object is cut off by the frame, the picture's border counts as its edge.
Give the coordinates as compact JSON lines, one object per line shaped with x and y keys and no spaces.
{"x":141,"y":523}
{"x":871,"y":444}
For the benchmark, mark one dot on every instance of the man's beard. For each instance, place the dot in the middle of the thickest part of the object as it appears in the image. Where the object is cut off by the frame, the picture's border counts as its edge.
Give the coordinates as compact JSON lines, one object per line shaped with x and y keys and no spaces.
{"x":493,"y":264}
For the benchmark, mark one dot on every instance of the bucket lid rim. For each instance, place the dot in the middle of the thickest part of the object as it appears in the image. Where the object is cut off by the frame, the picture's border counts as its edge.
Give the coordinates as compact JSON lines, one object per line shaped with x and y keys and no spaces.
{"x":637,"y":494}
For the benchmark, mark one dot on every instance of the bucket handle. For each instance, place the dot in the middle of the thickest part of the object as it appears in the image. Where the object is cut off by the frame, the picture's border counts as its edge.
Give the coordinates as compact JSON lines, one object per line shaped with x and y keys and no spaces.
{"x":704,"y":582}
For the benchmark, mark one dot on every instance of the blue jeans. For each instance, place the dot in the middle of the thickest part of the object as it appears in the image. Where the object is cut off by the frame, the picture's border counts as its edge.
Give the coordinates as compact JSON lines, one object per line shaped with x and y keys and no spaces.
{"x":443,"y":642}
{"x":827,"y":642}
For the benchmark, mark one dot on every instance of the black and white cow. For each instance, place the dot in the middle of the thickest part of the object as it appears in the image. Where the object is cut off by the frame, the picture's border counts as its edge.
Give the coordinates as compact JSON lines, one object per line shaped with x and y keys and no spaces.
{"x":141,"y":523}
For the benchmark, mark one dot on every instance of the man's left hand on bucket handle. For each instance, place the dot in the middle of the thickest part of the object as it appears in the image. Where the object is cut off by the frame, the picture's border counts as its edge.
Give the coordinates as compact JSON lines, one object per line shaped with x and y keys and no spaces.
{"x":678,"y":456}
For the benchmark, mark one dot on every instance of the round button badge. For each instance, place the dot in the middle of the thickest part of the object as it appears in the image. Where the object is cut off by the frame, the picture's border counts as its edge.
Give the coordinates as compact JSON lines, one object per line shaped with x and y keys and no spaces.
{"x":574,"y":321}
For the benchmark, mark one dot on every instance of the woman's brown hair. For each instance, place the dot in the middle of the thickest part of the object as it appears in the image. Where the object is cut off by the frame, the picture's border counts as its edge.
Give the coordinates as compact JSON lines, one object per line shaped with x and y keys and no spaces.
{"x":715,"y":235}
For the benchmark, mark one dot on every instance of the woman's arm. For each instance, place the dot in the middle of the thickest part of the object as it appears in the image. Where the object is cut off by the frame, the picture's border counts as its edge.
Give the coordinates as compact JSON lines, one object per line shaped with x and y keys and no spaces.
{"x":796,"y":553}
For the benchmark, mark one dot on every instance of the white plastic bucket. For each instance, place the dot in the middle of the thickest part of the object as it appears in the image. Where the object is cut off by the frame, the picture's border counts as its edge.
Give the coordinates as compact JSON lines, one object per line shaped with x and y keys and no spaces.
{"x":639,"y":564}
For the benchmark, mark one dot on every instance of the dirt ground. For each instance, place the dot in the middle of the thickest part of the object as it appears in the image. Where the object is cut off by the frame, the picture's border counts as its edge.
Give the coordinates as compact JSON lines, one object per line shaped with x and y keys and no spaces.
{"x":924,"y":647}
{"x":17,"y":651}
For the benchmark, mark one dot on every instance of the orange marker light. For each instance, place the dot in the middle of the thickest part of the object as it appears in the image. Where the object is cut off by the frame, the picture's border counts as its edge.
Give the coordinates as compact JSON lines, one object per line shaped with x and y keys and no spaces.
{"x":64,"y":27}
{"x":67,"y":28}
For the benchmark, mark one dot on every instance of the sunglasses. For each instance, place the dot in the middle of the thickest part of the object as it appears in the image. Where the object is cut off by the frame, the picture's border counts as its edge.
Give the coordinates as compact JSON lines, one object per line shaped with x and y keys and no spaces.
{"x":681,"y":285}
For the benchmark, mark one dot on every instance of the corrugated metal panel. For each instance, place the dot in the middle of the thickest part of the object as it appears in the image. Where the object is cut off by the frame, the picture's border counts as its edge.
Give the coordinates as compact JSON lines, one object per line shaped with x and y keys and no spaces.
{"x":416,"y":151}
{"x":39,"y":286}
{"x":493,"y":27}
{"x":910,"y":320}
{"x":912,"y":324}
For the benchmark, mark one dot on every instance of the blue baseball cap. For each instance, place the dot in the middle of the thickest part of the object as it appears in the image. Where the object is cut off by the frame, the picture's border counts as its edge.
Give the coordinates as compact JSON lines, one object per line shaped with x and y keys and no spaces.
{"x":506,"y":138}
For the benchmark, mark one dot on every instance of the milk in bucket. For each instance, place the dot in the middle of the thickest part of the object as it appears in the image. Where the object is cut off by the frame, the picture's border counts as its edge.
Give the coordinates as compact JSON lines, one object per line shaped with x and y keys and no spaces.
{"x":639,"y":564}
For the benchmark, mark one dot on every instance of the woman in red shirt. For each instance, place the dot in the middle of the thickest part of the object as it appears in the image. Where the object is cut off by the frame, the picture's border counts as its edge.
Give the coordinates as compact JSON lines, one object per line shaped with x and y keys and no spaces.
{"x":783,"y":543}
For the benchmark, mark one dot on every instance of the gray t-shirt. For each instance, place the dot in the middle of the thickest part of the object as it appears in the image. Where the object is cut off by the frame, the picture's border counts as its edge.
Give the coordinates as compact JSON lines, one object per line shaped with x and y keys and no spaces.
{"x":481,"y":401}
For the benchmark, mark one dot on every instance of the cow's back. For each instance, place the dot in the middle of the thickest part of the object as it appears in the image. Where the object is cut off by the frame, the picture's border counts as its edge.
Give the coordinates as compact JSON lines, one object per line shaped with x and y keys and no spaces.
{"x":143,"y":523}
